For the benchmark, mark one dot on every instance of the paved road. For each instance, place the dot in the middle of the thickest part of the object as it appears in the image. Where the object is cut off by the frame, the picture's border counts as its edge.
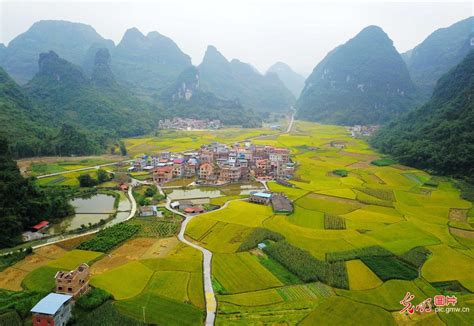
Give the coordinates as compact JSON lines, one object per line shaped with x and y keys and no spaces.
{"x":211,"y":303}
{"x":81,"y":169}
{"x":290,"y":125}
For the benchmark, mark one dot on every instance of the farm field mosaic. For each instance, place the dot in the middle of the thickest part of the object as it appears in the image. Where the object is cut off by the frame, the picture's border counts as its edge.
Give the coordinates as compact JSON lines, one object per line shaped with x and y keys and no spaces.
{"x":355,"y":244}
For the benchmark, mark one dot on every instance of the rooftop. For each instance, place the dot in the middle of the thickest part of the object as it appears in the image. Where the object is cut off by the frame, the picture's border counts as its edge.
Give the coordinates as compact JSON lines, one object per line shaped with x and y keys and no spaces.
{"x":51,"y":303}
{"x":41,"y":225}
{"x":262,"y":194}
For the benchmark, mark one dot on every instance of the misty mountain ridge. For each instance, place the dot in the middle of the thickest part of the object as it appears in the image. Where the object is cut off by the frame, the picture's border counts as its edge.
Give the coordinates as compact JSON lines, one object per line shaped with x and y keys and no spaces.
{"x":238,"y":80}
{"x":438,"y":53}
{"x":292,"y":80}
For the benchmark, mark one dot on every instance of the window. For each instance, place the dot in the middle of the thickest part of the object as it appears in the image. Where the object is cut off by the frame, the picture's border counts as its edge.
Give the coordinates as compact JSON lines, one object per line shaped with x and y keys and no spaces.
{"x":69,"y":289}
{"x":60,"y":288}
{"x":38,"y":321}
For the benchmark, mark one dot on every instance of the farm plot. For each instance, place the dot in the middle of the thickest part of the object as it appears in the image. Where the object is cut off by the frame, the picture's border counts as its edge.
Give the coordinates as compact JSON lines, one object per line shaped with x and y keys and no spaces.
{"x":387,"y":296}
{"x":307,"y":218}
{"x":360,"y":276}
{"x":160,"y":310}
{"x":435,"y":268}
{"x":224,"y":237}
{"x":242,"y":272}
{"x":131,"y":250}
{"x":256,"y":298}
{"x":170,"y":284}
{"x":71,"y":259}
{"x":335,"y":311}
{"x":328,"y":204}
{"x":253,"y":217}
{"x":125,"y":281}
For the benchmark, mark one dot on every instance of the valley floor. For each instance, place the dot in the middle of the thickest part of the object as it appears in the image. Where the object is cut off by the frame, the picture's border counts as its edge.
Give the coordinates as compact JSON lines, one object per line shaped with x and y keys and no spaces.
{"x":377,"y":233}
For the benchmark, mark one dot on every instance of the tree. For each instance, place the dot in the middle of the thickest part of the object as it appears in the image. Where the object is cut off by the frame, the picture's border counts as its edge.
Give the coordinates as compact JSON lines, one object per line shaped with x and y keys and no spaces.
{"x":150,"y":192}
{"x":102,"y":176}
{"x":123,"y":149}
{"x":85,"y":180}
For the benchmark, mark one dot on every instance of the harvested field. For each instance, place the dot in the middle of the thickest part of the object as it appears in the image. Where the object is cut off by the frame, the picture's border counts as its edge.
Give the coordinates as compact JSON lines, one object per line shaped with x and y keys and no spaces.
{"x":360,"y":276}
{"x":11,"y":279}
{"x":456,"y":214}
{"x":129,"y":251}
{"x":74,"y":242}
{"x":160,"y":248}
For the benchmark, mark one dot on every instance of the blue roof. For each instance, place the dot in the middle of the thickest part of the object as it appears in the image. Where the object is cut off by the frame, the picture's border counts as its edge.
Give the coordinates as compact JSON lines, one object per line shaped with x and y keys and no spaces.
{"x":51,"y":303}
{"x":262,"y":194}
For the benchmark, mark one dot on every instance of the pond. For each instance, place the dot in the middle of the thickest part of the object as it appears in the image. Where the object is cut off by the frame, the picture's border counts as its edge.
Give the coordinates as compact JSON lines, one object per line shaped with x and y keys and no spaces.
{"x":176,"y":194}
{"x":92,"y":210}
{"x":213,"y":192}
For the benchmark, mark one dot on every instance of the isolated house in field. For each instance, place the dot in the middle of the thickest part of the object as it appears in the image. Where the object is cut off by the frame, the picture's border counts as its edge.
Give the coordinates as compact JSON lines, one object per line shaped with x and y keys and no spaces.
{"x":75,"y":282}
{"x":260,"y":197}
{"x":53,"y":310}
{"x":194,"y":210}
{"x":150,"y":210}
{"x":281,"y":204}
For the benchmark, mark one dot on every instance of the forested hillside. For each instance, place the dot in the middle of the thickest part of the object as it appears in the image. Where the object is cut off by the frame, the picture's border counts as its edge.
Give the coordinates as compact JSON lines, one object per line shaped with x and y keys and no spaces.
{"x":148,"y":63}
{"x":98,"y":105}
{"x":438,"y":136}
{"x":23,"y":204}
{"x":364,"y":81}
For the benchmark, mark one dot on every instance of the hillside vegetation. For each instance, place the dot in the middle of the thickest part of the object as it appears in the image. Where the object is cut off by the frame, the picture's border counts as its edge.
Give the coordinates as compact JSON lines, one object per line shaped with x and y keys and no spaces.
{"x":438,"y":136}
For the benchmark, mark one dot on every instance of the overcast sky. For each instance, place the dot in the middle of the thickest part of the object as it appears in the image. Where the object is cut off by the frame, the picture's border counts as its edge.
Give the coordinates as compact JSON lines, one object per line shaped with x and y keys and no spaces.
{"x":261,"y":32}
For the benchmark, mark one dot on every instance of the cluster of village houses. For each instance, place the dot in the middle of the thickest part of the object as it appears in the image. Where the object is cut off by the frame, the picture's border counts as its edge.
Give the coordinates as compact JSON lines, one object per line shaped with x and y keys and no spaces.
{"x":366,"y":131}
{"x":218,"y":164}
{"x":188,"y":124}
{"x":56,"y":307}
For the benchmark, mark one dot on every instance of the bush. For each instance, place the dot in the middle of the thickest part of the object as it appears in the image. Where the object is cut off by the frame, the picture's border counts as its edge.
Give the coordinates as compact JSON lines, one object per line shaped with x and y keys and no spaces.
{"x":110,"y":237}
{"x":259,"y":235}
{"x":85,"y":180}
{"x":93,"y":299}
{"x":150,"y":191}
{"x":341,"y":172}
{"x":334,"y":222}
{"x":390,"y":267}
{"x":383,"y":162}
{"x":21,"y":302}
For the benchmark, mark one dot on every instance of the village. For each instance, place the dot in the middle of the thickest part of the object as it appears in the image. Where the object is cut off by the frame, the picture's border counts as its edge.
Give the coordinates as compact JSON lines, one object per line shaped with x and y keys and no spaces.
{"x":218,"y":165}
{"x":189,"y":124}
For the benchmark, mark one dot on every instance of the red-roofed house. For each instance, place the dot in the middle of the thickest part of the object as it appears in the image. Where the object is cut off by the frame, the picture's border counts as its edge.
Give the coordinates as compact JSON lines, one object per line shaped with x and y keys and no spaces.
{"x":41,"y":225}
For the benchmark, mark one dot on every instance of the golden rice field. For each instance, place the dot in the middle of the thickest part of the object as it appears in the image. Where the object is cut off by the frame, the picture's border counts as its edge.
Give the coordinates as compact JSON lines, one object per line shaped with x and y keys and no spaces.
{"x":386,"y":207}
{"x":399,"y":235}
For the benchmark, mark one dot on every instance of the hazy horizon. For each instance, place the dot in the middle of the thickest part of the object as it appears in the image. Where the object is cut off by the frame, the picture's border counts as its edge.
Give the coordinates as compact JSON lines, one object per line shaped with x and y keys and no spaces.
{"x":258,"y":32}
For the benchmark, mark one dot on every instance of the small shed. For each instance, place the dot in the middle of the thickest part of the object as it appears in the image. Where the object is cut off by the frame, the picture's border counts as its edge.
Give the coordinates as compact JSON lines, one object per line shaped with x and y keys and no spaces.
{"x":261,"y":245}
{"x":175,"y":205}
{"x":260,"y":197}
{"x":40,"y":226}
